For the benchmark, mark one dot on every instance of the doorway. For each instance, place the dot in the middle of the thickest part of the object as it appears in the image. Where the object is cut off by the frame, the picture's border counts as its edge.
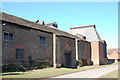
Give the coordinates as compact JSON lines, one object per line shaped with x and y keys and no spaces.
{"x":68,"y":59}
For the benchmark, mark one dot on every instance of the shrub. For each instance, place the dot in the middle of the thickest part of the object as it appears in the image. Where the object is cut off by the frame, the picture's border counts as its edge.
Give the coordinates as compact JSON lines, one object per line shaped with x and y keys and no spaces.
{"x":76,"y":64}
{"x":63,"y":65}
{"x":42,"y":65}
{"x":82,"y":62}
{"x":21,"y":68}
{"x":13,"y":67}
{"x":8,"y":68}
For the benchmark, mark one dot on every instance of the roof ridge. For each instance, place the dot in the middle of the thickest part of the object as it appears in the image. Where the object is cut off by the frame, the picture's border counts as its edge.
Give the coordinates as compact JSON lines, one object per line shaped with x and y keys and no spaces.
{"x":83,"y":26}
{"x":20,"y":21}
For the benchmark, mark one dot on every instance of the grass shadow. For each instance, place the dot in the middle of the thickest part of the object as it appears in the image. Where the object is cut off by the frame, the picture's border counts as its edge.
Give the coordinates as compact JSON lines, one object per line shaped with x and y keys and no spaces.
{"x":11,"y":74}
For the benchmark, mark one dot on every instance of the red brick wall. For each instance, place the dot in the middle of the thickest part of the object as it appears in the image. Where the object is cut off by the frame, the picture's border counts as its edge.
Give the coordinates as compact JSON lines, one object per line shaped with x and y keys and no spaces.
{"x":114,"y":55}
{"x":101,"y":52}
{"x":88,"y":53}
{"x":103,"y":59}
{"x":84,"y":51}
{"x":95,"y":52}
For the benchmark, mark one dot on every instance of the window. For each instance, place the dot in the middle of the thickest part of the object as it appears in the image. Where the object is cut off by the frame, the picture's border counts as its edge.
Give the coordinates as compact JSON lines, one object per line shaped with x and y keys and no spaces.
{"x":42,"y":40}
{"x":19,"y":54}
{"x":8,"y":36}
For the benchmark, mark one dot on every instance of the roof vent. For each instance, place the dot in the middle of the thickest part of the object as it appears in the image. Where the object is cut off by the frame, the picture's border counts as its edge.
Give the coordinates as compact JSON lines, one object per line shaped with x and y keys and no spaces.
{"x":53,"y":25}
{"x":40,"y":22}
{"x":37,"y":21}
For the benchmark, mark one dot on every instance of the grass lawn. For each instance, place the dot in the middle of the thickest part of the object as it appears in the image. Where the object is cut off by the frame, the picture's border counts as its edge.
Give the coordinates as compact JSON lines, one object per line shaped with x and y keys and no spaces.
{"x":48,"y":72}
{"x":113,"y":74}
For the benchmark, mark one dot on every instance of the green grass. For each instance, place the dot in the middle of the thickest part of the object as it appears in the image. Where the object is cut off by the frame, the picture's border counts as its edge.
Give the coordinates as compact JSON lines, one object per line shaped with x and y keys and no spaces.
{"x":48,"y":72}
{"x":113,"y":74}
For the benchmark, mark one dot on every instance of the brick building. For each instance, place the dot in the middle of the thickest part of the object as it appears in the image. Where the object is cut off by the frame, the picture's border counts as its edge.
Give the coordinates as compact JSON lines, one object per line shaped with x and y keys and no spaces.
{"x":98,"y":46}
{"x":113,"y":54}
{"x":23,"y":39}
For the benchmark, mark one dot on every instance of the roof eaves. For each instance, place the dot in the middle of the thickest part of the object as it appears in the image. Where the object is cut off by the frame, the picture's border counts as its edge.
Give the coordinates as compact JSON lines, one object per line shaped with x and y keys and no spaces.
{"x":30,"y":24}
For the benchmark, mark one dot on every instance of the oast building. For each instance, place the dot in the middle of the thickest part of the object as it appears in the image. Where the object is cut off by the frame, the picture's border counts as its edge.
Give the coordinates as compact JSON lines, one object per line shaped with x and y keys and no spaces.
{"x":23,"y":39}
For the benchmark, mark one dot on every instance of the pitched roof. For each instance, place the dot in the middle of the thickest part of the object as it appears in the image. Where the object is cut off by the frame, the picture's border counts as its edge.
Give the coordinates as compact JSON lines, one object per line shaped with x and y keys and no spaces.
{"x":30,"y":24}
{"x":109,"y":51}
{"x":84,"y":26}
{"x":113,"y":53}
{"x":89,"y":31}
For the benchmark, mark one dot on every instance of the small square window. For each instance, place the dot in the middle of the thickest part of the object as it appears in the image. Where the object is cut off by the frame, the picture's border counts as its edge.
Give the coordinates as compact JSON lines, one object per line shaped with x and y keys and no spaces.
{"x":8,"y":36}
{"x":42,"y":40}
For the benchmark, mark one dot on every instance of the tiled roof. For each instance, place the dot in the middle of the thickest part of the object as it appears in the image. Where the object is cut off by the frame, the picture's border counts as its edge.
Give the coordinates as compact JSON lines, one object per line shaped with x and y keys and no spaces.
{"x":113,"y":50}
{"x":113,"y":53}
{"x":89,"y":31}
{"x":30,"y":24}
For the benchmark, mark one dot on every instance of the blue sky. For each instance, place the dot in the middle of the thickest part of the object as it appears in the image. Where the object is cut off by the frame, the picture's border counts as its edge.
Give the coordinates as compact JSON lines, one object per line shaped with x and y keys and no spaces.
{"x":68,"y":14}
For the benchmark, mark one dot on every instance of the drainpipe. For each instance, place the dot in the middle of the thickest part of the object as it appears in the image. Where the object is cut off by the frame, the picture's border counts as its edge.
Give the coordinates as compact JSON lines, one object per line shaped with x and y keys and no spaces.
{"x":76,"y":46}
{"x":0,"y":45}
{"x":54,"y":50}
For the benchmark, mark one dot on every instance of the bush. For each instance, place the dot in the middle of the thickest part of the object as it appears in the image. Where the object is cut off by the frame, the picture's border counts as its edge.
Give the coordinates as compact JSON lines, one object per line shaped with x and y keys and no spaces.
{"x":8,"y":68}
{"x":42,"y":65}
{"x":12,"y":68}
{"x":63,"y":65}
{"x":82,"y":62}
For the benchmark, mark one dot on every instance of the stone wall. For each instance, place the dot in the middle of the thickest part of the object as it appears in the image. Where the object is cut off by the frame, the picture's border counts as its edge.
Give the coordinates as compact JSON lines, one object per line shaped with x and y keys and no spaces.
{"x":61,"y":49}
{"x":0,"y":45}
{"x":26,"y":38}
{"x":84,"y":51}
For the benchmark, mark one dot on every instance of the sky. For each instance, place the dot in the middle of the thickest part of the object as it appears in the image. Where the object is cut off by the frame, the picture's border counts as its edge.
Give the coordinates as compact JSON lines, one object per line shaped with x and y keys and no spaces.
{"x":69,"y":14}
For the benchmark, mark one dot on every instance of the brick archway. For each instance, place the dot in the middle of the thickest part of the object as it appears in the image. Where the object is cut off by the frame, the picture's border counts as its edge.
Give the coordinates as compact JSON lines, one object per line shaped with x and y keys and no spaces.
{"x":68,"y":46}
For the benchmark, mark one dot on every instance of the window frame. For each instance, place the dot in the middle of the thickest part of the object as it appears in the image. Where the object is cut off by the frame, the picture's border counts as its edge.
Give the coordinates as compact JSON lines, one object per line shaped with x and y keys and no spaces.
{"x":18,"y":55}
{"x":42,"y":40}
{"x":8,"y":37}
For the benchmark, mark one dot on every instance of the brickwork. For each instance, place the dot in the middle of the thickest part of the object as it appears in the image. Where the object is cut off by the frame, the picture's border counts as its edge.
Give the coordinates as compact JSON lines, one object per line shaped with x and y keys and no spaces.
{"x":28,"y":39}
{"x":59,"y":45}
{"x":84,"y":51}
{"x":113,"y":54}
{"x":61,"y":49}
{"x":97,"y":53}
{"x":0,"y":44}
